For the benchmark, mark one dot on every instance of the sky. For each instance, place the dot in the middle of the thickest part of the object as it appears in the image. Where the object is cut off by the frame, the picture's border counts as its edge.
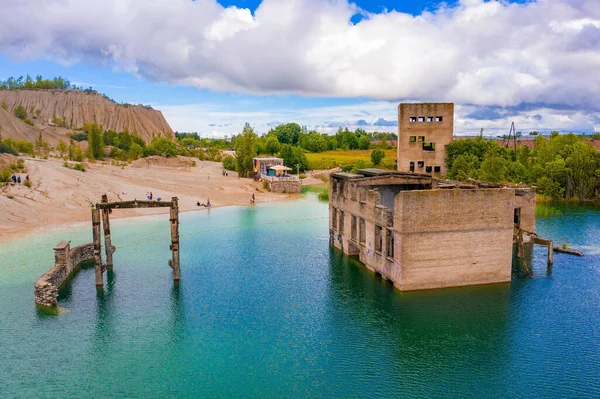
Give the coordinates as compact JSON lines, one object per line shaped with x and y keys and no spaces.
{"x":210,"y":66}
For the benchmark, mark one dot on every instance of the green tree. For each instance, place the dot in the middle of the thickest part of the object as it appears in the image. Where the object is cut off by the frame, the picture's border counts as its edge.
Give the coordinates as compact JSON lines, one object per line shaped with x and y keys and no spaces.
{"x":293,"y":157}
{"x":287,"y":133}
{"x":245,"y":150}
{"x":465,"y":166}
{"x":376,"y":156}
{"x":272,"y":145}
{"x":135,"y":151}
{"x":20,"y":112}
{"x":161,"y":146}
{"x":95,"y":140}
{"x":493,"y":167}
{"x":61,"y":147}
{"x":364,"y":142}
{"x":229,"y":162}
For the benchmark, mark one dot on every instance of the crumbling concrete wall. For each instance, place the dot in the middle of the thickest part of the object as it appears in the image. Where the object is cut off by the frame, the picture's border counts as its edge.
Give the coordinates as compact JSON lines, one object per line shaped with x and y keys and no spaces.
{"x":363,"y":203}
{"x":285,"y":187}
{"x":453,"y":237}
{"x":66,"y":261}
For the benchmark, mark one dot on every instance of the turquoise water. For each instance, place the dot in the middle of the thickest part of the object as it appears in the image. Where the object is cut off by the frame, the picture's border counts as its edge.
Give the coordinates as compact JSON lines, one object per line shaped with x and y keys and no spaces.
{"x":268,"y":310}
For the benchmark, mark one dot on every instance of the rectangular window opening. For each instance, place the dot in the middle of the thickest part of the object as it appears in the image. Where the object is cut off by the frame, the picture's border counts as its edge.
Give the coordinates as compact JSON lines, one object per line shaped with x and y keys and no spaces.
{"x":421,"y":119}
{"x":428,"y":169}
{"x":437,"y":169}
{"x":517,"y":218}
{"x":413,"y":118}
{"x":430,"y":119}
{"x":362,"y":231}
{"x":389,"y":243}
{"x":420,"y":164}
{"x":421,"y":139}
{"x":412,"y":139}
{"x":353,"y":228}
{"x":341,"y":229}
{"x":412,"y":166}
{"x":438,"y":118}
{"x":428,"y":146}
{"x":378,"y":238}
{"x":334,"y":218}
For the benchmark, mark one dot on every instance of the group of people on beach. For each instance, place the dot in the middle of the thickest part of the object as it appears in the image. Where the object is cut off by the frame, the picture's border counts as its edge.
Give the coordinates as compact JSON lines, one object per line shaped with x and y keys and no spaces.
{"x":16,"y":179}
{"x":207,"y":204}
{"x":224,"y":172}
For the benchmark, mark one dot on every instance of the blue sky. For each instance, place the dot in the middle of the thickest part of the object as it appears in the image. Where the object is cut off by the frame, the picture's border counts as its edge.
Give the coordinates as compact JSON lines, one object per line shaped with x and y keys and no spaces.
{"x":322,"y":63}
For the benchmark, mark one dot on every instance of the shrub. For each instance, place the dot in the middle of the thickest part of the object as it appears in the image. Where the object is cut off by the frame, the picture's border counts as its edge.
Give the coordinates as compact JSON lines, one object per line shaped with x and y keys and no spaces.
{"x":7,"y":148}
{"x":79,"y":167}
{"x":28,"y":121}
{"x":27,"y":183}
{"x":24,"y":147}
{"x":80,"y":136}
{"x":229,"y":162}
{"x":266,"y":185}
{"x":161,"y":146}
{"x":376,"y":156}
{"x":5,"y":175}
{"x":302,"y":176}
{"x":4,"y":105}
{"x":323,"y":196}
{"x":60,"y":122}
{"x":20,"y":112}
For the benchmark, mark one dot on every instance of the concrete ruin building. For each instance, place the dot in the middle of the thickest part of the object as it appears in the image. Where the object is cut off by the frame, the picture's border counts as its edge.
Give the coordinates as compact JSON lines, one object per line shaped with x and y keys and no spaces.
{"x":420,"y":232}
{"x":424,"y":130}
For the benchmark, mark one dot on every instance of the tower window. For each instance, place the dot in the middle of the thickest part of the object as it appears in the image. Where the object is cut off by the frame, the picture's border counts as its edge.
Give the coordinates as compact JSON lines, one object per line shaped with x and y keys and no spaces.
{"x":428,"y":169}
{"x":429,"y":146}
{"x":412,"y":139}
{"x":412,"y":166}
{"x":430,"y":119}
{"x":413,"y":119}
{"x":438,"y":118}
{"x":421,"y":119}
{"x":437,"y":169}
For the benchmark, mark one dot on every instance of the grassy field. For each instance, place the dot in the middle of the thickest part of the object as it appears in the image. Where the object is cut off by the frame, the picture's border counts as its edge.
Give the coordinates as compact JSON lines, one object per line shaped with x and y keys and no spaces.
{"x":331,"y":159}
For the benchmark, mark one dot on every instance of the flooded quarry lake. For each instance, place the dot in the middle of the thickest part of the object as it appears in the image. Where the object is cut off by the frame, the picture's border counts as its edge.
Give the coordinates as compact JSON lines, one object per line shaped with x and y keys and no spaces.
{"x":265,"y":309}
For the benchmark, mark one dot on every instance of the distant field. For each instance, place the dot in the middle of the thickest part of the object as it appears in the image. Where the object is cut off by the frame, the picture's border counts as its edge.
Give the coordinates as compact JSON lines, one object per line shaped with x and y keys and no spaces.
{"x":331,"y":159}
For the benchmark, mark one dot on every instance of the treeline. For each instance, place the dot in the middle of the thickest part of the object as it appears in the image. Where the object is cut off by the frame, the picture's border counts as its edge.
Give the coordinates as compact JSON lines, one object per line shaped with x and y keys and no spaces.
{"x":312,"y":141}
{"x":561,"y":166}
{"x":27,"y":82}
{"x":38,"y":83}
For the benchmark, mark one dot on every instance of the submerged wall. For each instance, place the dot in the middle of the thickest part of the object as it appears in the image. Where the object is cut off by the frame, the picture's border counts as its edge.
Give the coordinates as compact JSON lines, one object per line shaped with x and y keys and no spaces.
{"x":66,"y":260}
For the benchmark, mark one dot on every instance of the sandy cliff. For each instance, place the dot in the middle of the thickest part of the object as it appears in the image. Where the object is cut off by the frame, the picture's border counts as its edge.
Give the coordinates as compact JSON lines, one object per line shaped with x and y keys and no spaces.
{"x":75,"y":108}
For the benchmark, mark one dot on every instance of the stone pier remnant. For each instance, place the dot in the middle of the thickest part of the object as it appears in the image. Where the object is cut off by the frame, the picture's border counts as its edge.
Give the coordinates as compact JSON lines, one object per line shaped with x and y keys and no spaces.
{"x":66,"y":262}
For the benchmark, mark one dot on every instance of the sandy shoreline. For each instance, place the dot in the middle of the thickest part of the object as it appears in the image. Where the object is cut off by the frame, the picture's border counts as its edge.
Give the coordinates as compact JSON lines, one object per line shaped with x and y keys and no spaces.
{"x":61,"y":197}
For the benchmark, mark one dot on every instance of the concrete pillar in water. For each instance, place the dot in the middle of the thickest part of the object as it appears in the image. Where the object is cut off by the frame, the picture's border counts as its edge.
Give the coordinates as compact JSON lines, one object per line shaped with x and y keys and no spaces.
{"x":174,"y":219}
{"x":97,"y":246}
{"x":108,"y":247}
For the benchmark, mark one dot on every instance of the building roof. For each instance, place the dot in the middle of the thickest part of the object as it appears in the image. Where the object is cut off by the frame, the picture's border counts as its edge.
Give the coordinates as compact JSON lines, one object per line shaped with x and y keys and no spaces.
{"x":268,"y":159}
{"x":371,"y":172}
{"x":346,"y":175}
{"x":279,"y":167}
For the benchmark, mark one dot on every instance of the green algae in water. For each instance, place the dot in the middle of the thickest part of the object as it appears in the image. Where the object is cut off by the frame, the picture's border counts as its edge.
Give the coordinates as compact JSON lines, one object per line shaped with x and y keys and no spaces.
{"x":269,"y":310}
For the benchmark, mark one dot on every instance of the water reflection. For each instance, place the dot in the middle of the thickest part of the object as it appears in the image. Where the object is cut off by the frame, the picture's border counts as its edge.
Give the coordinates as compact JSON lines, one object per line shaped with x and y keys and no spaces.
{"x":427,"y":335}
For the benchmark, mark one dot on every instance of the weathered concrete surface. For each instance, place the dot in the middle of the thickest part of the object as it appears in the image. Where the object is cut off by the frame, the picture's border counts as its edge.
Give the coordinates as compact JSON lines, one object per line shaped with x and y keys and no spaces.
{"x":441,"y":237}
{"x":440,"y":133}
{"x":453,"y":237}
{"x":66,"y":261}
